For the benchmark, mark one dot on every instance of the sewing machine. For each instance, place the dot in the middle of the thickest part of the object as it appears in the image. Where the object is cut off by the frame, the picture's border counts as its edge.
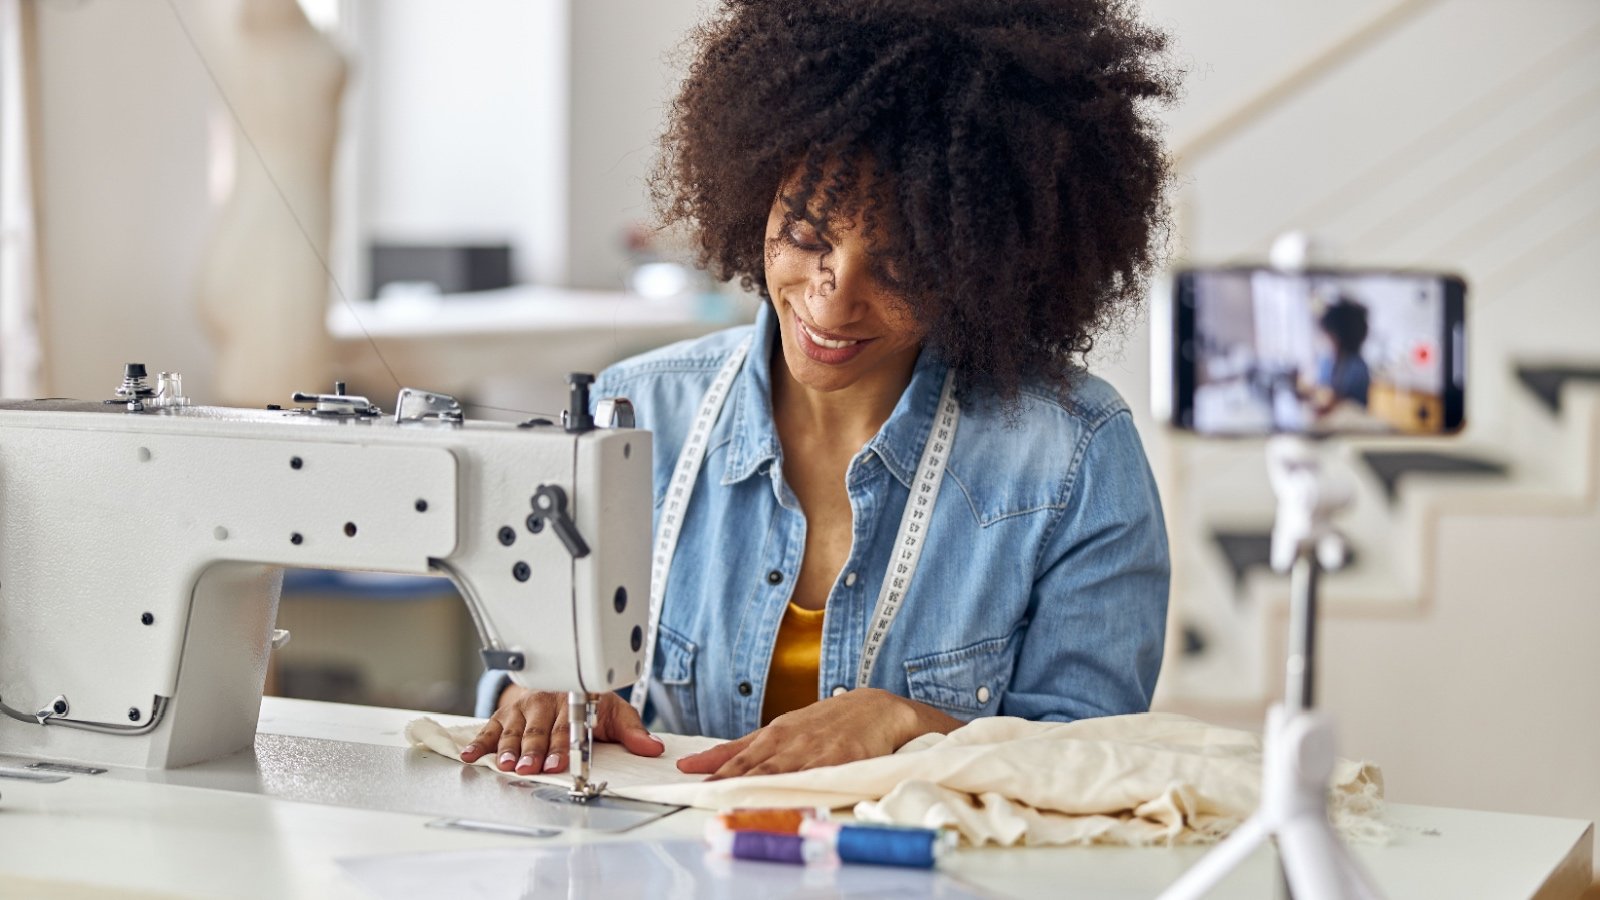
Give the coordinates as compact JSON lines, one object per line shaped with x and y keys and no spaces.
{"x":143,"y":540}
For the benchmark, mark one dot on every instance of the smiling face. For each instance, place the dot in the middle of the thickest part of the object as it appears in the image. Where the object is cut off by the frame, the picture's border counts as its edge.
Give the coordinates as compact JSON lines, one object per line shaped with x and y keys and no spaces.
{"x":842,"y":321}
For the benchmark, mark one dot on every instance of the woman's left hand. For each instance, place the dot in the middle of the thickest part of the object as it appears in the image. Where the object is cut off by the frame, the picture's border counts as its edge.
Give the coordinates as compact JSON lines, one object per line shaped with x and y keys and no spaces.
{"x":858,"y":724}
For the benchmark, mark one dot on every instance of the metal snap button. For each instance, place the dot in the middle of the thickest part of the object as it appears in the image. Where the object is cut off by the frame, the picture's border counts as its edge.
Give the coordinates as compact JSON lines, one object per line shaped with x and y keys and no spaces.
{"x":745,"y":689}
{"x":774,"y":577}
{"x":839,"y":689}
{"x":850,"y":580}
{"x":983,"y":694}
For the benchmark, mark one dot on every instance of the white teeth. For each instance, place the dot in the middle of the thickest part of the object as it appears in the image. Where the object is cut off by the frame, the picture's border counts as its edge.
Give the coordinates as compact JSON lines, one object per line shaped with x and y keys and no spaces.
{"x":824,"y":342}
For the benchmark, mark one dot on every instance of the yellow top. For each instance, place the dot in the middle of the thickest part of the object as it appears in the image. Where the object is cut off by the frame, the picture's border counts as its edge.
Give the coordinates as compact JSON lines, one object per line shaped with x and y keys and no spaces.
{"x":796,"y":657}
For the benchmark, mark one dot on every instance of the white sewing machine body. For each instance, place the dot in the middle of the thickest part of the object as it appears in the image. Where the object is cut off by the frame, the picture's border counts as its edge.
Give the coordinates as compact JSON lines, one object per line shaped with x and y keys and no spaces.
{"x":141,"y":556}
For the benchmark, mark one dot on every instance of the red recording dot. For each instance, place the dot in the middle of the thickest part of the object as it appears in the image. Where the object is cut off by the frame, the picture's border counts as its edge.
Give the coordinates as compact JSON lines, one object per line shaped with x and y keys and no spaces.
{"x":1422,"y":353}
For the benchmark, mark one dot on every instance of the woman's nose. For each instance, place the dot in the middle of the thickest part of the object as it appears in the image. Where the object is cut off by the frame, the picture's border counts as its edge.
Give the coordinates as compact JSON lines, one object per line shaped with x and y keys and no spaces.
{"x":841,"y":290}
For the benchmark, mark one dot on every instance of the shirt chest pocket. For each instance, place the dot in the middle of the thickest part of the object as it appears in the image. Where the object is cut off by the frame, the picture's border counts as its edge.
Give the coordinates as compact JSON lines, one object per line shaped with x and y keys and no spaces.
{"x":966,"y":683}
{"x":672,"y":690}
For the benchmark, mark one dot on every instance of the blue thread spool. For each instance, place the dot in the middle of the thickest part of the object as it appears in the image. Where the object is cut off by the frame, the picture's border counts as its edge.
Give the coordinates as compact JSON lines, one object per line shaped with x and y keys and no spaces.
{"x":918,"y":848}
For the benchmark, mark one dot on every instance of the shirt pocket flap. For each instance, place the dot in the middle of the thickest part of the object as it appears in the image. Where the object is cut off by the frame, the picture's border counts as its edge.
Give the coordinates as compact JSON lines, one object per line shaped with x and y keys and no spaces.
{"x":677,"y":657}
{"x":968,"y":682}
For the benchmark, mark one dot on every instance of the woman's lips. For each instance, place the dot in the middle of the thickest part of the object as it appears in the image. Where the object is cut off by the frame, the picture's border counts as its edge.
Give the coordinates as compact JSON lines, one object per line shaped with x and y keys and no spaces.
{"x":832,"y":356}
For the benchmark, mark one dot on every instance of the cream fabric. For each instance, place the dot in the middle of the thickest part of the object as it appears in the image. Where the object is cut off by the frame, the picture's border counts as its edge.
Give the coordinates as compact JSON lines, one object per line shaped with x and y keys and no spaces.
{"x":1153,"y":778}
{"x":622,"y":771}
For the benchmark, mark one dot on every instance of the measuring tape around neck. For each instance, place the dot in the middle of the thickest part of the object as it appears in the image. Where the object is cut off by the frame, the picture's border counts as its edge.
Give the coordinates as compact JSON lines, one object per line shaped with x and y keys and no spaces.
{"x":908,"y":540}
{"x":913,"y":526}
{"x":684,"y":474}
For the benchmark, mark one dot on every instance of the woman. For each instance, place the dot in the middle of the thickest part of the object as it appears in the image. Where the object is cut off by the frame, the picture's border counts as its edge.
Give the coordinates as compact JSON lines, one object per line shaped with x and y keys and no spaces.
{"x":1342,"y":374}
{"x":912,"y":508}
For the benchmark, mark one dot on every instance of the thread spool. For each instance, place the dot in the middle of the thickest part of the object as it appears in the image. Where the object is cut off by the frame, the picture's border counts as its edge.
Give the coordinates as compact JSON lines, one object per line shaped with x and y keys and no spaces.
{"x":767,"y":847}
{"x":774,"y":820}
{"x":918,"y":848}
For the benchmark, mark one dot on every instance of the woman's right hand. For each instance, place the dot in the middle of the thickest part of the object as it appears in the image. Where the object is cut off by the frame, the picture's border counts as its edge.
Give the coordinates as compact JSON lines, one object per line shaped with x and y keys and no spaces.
{"x":529,"y":731}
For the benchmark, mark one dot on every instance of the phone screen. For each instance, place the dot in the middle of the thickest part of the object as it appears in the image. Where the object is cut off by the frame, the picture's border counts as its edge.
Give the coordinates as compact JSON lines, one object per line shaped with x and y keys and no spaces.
{"x":1334,"y":352}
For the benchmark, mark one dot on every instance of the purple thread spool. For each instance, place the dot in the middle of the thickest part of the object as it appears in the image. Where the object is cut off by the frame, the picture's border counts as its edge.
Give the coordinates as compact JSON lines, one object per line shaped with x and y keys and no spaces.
{"x":766,"y":846}
{"x":787,"y":848}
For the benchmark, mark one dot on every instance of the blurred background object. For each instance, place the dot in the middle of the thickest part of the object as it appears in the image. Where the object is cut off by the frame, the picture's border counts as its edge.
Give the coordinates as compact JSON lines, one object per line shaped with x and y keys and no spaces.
{"x":1459,"y":650}
{"x":264,"y":278}
{"x":438,"y":268}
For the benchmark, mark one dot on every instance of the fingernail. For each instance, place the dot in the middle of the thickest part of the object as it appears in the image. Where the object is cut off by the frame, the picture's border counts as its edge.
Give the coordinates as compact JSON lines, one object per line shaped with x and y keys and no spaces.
{"x":525,"y":763}
{"x":552,"y":762}
{"x":656,"y":739}
{"x":507,"y":758}
{"x":469,"y":749}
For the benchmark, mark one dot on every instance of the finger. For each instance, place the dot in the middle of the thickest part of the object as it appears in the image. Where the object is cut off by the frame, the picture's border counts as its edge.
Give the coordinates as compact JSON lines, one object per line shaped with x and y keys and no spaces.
{"x":744,"y":763}
{"x":560,"y":744}
{"x":511,"y":718}
{"x":707,"y":761}
{"x":539,"y":733}
{"x":488,"y":736}
{"x":556,"y":761}
{"x":619,"y":722}
{"x":776,"y":765}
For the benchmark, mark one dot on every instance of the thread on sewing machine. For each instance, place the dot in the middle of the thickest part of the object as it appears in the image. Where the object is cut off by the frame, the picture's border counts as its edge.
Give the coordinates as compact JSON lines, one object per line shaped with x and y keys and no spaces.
{"x":880,"y":845}
{"x":772,"y":820}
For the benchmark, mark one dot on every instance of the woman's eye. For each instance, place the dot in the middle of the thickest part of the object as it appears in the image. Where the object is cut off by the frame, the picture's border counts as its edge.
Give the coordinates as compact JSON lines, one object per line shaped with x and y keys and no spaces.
{"x":889,"y":273}
{"x":804,"y":237}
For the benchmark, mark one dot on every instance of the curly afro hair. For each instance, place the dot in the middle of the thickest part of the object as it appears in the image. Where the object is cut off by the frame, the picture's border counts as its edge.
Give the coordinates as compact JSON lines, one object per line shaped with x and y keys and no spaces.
{"x":1002,"y":155}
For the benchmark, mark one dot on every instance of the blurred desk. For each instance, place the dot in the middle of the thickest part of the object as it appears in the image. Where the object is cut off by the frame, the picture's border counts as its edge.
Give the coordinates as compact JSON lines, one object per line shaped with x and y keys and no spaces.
{"x":510,"y":348}
{"x":96,"y":834}
{"x":404,"y":641}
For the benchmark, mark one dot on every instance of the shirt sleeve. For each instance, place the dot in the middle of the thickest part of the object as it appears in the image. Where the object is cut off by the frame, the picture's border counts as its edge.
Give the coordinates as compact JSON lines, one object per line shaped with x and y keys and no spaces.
{"x":490,"y":686}
{"x":1098,"y":609}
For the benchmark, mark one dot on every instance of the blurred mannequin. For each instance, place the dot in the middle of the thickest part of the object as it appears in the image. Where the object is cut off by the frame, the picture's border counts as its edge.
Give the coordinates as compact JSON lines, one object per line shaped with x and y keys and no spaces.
{"x":263,"y":293}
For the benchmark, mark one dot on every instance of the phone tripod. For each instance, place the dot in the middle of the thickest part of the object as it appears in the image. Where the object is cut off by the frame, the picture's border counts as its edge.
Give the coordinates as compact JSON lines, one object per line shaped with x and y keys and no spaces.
{"x":1298,"y":743}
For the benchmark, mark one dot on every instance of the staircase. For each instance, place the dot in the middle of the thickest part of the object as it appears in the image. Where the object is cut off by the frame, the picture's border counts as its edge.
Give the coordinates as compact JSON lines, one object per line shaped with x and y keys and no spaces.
{"x":1231,"y":624}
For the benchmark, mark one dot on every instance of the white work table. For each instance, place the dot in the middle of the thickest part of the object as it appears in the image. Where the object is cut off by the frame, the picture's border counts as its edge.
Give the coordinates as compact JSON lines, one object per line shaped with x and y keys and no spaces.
{"x":512,"y":347}
{"x":94,"y":834}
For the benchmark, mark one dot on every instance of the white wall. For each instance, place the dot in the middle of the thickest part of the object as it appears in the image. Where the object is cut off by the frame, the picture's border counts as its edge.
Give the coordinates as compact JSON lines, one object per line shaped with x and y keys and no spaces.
{"x":1490,"y":701}
{"x":461,"y":110}
{"x":574,"y":95}
{"x":122,"y":207}
{"x":624,"y":72}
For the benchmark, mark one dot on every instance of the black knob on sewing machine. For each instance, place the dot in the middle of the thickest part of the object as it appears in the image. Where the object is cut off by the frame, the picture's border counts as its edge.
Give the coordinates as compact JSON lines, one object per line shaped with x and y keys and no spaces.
{"x":578,"y":418}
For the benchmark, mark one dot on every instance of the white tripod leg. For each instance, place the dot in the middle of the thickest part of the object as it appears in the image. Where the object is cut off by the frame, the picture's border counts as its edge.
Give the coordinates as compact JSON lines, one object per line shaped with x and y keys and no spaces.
{"x":1357,"y":883}
{"x":1312,"y":861}
{"x":1215,"y":865}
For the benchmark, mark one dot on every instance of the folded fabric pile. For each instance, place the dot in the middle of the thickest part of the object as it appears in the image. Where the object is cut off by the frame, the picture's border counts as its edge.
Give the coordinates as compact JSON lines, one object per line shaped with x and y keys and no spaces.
{"x":1148,"y":779}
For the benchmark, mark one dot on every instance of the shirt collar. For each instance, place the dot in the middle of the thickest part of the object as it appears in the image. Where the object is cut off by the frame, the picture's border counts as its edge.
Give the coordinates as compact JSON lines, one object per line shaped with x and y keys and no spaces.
{"x":754,"y":434}
{"x":900,"y":441}
{"x":754,"y":438}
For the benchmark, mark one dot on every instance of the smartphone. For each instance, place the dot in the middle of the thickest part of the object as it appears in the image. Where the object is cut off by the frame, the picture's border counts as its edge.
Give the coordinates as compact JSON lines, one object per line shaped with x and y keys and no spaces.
{"x":1252,"y":351}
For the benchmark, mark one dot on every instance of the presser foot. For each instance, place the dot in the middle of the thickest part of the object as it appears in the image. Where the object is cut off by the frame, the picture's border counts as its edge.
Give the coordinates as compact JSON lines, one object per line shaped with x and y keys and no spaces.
{"x":583,"y":790}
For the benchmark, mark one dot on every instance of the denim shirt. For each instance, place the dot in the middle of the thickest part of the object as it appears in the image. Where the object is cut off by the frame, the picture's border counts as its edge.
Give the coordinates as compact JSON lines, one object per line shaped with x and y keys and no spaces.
{"x":1042,"y":588}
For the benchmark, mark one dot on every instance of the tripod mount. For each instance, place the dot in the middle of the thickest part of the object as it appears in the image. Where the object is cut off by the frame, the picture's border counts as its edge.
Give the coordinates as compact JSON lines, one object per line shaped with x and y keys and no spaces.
{"x":1298,"y":752}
